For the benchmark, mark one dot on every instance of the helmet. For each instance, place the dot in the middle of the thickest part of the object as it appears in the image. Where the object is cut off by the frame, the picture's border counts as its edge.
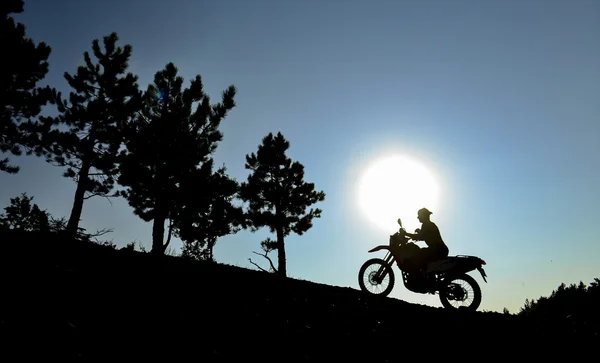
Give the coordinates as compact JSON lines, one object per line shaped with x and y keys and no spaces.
{"x":424,"y":212}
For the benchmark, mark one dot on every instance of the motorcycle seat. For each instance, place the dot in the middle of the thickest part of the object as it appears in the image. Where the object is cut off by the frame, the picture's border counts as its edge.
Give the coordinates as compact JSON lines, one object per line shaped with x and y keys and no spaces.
{"x":442,"y":265}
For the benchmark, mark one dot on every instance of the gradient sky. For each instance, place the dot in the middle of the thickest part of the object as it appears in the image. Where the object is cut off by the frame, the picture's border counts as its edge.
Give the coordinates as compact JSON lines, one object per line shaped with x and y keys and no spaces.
{"x":500,"y":100}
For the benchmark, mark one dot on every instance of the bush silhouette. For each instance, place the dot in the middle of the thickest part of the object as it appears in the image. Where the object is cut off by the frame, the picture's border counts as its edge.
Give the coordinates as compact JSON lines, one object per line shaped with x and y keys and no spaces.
{"x":574,"y":307}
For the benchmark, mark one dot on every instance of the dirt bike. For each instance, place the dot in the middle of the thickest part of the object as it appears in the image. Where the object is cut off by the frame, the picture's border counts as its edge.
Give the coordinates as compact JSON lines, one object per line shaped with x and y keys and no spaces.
{"x":440,"y":276}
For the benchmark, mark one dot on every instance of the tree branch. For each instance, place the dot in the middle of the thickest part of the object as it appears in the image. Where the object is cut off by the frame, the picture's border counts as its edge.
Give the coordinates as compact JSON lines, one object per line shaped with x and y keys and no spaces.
{"x":265,"y":255}
{"x":144,"y":118}
{"x":260,"y":268}
{"x":107,"y":197}
{"x":99,"y":233}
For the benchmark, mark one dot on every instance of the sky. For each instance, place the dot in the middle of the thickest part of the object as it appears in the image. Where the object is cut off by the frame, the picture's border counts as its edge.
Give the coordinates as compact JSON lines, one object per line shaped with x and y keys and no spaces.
{"x":498,"y":100}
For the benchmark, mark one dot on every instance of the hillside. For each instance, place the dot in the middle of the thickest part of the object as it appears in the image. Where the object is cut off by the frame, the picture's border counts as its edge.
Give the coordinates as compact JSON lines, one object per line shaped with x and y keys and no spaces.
{"x":82,"y":301}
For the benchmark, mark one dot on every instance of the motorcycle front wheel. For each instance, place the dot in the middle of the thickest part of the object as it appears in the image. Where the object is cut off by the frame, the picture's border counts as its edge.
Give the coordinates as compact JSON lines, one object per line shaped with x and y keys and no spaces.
{"x":461,"y":292}
{"x":376,"y":278}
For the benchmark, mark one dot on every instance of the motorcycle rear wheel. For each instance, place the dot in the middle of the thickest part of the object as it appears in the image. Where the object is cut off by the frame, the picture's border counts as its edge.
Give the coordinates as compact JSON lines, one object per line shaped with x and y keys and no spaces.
{"x":368,"y":281}
{"x":465,"y":290}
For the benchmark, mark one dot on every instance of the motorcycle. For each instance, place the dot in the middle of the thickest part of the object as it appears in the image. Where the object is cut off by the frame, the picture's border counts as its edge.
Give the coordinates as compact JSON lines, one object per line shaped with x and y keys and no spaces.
{"x":447,"y":277}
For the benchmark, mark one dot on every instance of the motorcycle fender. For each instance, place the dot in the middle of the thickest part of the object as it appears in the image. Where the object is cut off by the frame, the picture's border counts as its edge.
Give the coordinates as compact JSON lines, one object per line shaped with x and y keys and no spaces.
{"x":375,"y":249}
{"x":482,"y":272}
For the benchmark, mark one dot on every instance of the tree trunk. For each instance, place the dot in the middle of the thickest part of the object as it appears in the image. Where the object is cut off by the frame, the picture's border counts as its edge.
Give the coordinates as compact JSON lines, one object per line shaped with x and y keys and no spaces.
{"x":160,"y":213}
{"x":281,"y":264}
{"x":76,"y":210}
{"x":158,"y":229}
{"x":210,"y":248}
{"x":169,"y":234}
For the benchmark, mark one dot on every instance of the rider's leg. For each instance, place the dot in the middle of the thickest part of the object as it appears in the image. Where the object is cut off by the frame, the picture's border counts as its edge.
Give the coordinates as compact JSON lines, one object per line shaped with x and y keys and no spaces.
{"x":423,"y":259}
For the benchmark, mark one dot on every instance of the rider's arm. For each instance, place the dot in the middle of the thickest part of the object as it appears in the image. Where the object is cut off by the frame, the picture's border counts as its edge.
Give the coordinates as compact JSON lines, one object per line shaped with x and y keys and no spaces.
{"x":415,"y":236}
{"x":420,"y":235}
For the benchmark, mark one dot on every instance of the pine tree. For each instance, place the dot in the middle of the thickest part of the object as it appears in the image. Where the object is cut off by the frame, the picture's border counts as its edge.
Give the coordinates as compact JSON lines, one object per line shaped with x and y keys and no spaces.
{"x":24,"y":65}
{"x":86,"y":136}
{"x":167,"y":168}
{"x":278,"y":196}
{"x":211,"y":215}
{"x":23,"y":215}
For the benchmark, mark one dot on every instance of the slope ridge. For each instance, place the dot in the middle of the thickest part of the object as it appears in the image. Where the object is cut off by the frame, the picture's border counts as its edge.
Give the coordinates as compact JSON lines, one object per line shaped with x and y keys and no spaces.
{"x":76,"y":300}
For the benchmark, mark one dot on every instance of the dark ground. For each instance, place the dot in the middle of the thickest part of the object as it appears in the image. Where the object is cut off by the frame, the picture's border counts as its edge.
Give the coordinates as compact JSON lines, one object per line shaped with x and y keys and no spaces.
{"x":81,"y":301}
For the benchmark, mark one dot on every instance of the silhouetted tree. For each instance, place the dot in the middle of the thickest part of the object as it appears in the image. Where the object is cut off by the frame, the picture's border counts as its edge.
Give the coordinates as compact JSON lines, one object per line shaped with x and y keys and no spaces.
{"x":86,"y":135}
{"x":167,"y":168}
{"x":212,"y":214}
{"x":572,"y":308}
{"x":22,"y":215}
{"x":278,"y":196}
{"x":23,"y":65}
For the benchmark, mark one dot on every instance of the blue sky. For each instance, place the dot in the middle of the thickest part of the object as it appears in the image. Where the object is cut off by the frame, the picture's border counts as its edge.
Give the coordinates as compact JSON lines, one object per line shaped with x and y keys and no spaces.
{"x":500,"y":100}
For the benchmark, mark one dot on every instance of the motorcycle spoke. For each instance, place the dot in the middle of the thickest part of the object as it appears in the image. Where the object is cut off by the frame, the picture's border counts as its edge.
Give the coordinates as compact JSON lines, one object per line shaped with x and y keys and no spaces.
{"x":468,"y":292}
{"x":367,"y":282}
{"x":371,"y":283}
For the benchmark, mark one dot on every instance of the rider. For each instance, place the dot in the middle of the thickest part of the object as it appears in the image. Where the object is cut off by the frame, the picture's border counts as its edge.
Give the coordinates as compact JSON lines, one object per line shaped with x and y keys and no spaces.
{"x":429,"y":233}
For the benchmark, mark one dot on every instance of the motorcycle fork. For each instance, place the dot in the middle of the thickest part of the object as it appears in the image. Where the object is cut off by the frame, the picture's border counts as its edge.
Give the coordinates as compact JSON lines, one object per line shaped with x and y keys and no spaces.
{"x":383,"y":269}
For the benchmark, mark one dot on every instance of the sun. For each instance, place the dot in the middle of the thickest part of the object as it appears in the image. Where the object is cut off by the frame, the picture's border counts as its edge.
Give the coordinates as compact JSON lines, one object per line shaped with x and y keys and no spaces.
{"x":396,"y":187}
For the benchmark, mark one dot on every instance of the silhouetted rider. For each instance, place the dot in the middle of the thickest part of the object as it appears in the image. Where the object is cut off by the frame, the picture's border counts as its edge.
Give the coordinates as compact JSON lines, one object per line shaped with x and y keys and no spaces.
{"x":429,"y":233}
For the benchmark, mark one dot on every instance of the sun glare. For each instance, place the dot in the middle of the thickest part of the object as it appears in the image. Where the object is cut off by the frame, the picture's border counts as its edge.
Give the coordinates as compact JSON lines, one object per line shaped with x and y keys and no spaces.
{"x":396,"y":187}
